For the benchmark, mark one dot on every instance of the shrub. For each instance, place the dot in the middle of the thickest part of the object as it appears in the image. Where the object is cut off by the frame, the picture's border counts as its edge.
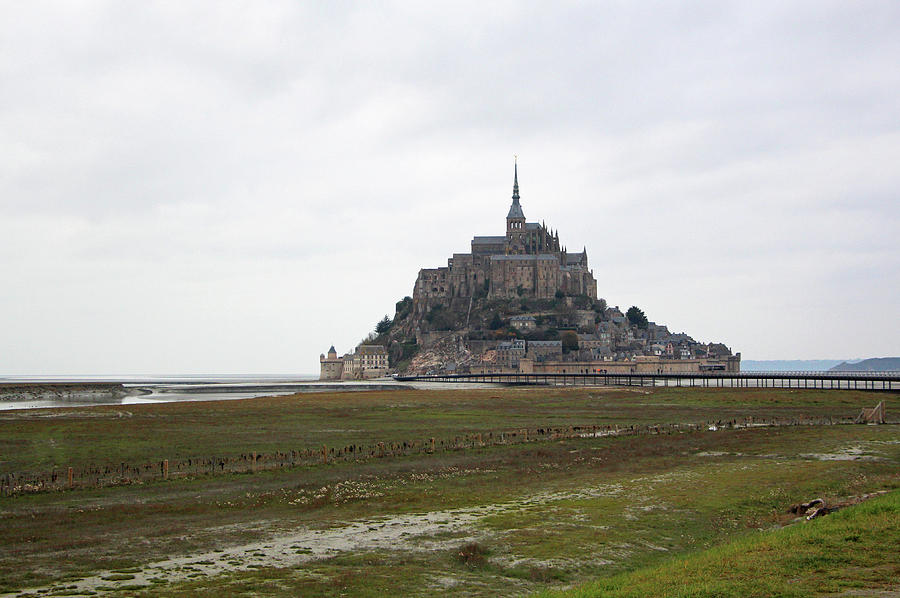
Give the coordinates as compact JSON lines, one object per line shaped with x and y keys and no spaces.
{"x":636,"y":316}
{"x":569,"y":341}
{"x":472,"y":555}
{"x":383,"y":325}
{"x":403,"y":308}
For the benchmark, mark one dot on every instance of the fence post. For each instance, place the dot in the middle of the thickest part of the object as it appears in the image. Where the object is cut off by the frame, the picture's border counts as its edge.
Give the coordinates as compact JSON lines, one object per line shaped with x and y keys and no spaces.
{"x":324,"y":454}
{"x":70,"y":474}
{"x":432,"y":444}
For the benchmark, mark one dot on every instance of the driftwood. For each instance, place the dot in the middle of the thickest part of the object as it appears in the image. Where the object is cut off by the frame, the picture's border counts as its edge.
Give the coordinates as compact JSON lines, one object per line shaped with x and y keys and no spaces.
{"x":817,"y":507}
{"x":819,"y":512}
{"x":812,"y":509}
{"x":875,"y":415}
{"x":807,"y":507}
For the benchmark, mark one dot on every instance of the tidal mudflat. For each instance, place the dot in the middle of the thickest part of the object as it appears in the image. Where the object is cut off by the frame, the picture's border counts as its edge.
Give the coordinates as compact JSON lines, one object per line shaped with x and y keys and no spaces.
{"x":546,"y":514}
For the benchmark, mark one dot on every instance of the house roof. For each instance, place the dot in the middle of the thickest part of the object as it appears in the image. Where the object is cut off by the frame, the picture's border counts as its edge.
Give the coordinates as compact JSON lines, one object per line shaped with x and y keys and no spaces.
{"x":372,"y":350}
{"x":524,"y":258}
{"x":488,"y":240}
{"x":515,"y":210}
{"x":516,"y":344}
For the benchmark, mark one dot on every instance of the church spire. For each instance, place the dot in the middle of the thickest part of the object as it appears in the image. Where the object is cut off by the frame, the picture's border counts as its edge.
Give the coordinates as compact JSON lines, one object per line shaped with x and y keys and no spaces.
{"x":516,"y":180}
{"x":515,"y":210}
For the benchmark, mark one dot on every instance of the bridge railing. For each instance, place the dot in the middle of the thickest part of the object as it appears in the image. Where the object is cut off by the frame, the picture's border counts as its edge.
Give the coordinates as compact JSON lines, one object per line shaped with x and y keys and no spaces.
{"x":816,"y":380}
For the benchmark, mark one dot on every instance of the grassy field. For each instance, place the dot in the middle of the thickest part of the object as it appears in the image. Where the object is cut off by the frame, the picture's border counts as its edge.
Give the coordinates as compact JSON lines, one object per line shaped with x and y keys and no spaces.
{"x":500,"y":520}
{"x":853,"y":551}
{"x":44,"y":439}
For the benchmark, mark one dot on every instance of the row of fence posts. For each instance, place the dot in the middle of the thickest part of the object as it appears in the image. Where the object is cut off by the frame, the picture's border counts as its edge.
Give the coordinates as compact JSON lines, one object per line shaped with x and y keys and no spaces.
{"x":96,"y":476}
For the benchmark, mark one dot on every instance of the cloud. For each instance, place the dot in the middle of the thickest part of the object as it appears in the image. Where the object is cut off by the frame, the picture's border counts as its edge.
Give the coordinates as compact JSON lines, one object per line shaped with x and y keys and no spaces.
{"x":227,"y":187}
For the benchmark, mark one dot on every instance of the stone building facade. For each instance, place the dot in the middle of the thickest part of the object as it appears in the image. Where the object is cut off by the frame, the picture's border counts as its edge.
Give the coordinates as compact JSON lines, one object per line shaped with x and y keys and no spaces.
{"x":638,"y":365}
{"x":528,"y":261}
{"x":331,"y":367}
{"x":368,"y":361}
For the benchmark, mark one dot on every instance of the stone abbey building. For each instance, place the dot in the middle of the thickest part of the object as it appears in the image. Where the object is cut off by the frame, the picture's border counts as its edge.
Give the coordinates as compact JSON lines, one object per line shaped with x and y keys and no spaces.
{"x":520,"y":303}
{"x":528,"y":261}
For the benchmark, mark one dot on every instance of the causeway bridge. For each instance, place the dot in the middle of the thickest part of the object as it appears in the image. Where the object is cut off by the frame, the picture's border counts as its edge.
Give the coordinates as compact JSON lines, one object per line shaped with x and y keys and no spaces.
{"x":880,"y":381}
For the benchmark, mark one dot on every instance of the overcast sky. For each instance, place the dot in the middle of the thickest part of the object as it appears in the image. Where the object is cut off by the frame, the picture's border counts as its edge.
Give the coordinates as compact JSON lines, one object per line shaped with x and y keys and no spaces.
{"x":231,"y":187}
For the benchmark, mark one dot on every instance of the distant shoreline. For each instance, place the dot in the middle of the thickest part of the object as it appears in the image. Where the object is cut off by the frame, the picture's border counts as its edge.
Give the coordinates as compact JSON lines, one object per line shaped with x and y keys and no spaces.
{"x":63,"y":391}
{"x":44,"y":394}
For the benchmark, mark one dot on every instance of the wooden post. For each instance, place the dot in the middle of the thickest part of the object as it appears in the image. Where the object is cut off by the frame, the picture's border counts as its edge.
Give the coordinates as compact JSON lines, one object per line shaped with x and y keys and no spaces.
{"x":432,"y":444}
{"x":165,"y":469}
{"x":253,"y":461}
{"x":71,"y":477}
{"x":324,"y":454}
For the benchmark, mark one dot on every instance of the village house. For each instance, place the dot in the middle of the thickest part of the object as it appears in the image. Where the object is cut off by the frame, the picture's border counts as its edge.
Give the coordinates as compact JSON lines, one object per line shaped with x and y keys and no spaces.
{"x":510,"y":352}
{"x":589,"y":341}
{"x":544,"y":350}
{"x":523,"y":323}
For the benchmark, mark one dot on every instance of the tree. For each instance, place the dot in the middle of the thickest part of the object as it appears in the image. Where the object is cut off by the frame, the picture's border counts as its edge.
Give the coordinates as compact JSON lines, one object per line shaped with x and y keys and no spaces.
{"x":403,"y":307}
{"x":636,"y":317}
{"x":496,"y":322}
{"x":569,"y":341}
{"x":384,"y":325}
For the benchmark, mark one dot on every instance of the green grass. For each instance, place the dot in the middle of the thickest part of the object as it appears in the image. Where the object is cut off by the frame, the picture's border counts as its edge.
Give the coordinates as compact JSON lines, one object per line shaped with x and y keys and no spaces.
{"x":852,"y":549}
{"x":42,"y":440}
{"x":551,"y":517}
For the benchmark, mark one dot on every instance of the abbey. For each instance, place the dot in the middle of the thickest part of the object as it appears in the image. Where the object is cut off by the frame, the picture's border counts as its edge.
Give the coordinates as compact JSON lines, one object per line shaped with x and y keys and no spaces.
{"x":527,"y":261}
{"x":520,"y":303}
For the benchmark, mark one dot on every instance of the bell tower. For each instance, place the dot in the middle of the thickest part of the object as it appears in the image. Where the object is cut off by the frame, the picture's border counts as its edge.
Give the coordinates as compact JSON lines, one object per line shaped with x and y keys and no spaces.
{"x":515,"y":219}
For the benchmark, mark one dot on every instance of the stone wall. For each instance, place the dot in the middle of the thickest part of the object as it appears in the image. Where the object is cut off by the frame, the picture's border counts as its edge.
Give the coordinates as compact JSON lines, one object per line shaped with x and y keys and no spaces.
{"x":645,"y":365}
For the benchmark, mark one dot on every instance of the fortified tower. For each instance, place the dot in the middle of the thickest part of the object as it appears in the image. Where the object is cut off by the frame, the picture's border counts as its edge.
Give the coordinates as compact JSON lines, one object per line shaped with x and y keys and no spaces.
{"x":331,"y":367}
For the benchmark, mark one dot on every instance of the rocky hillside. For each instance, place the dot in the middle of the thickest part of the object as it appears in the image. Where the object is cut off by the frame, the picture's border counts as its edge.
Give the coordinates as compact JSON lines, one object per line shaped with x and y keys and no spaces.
{"x":452,"y":335}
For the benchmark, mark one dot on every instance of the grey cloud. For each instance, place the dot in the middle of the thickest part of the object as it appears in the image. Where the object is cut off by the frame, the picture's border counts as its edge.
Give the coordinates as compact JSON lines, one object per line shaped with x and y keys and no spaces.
{"x":743,"y":152}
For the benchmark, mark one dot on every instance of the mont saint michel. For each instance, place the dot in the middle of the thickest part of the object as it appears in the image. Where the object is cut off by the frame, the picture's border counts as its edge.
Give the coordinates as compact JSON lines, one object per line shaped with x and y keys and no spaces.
{"x":520,"y":302}
{"x":528,"y":383}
